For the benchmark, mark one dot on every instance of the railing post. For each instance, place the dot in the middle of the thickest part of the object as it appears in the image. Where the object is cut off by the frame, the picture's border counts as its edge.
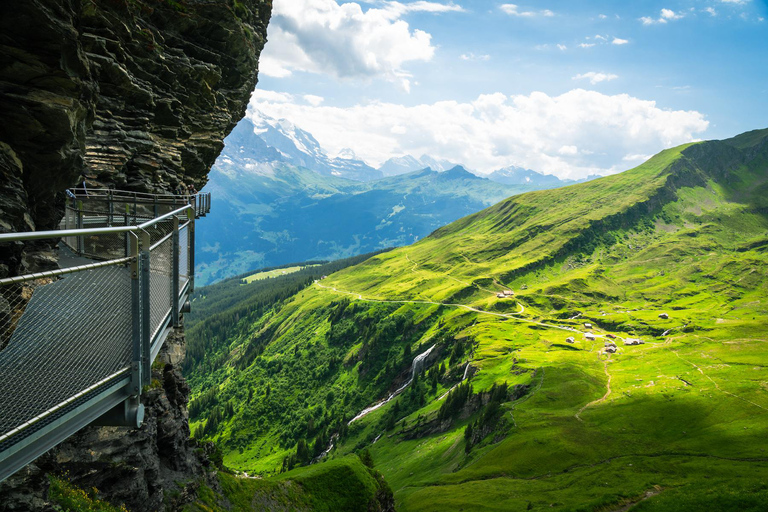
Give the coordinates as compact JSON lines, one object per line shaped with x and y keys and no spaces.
{"x":127,"y":235}
{"x":136,"y":311}
{"x":146,"y":333}
{"x":111,"y":209}
{"x":191,"y":242}
{"x":175,"y":279}
{"x":81,"y":238}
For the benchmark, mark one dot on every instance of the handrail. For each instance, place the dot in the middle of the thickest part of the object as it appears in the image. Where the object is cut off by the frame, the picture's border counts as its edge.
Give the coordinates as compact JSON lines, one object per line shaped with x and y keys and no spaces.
{"x":167,"y":216}
{"x":64,"y":271}
{"x":157,"y":256}
{"x":59,"y":233}
{"x":113,"y":192}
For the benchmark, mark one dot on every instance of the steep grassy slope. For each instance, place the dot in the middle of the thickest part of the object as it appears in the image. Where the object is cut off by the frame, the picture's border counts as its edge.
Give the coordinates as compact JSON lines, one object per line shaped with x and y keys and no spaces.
{"x":344,"y":484}
{"x":674,"y":252}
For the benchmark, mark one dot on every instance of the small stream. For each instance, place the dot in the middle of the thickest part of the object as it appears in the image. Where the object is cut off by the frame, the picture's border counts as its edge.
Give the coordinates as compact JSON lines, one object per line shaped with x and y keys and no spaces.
{"x":416,"y":366}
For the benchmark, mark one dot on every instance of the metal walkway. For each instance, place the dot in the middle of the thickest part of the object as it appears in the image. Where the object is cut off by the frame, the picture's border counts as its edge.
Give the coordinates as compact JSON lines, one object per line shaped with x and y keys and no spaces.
{"x":78,"y":343}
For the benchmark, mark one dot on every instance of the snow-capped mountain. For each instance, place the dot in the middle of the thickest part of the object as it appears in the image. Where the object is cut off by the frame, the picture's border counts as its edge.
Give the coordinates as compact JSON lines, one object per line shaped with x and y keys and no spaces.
{"x":520,"y":176}
{"x":403,"y":164}
{"x":298,"y":147}
{"x":535,"y":180}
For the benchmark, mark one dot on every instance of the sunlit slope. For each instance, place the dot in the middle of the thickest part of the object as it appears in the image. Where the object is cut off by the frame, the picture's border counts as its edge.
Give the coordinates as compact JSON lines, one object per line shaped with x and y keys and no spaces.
{"x":674,"y":252}
{"x":536,"y":228}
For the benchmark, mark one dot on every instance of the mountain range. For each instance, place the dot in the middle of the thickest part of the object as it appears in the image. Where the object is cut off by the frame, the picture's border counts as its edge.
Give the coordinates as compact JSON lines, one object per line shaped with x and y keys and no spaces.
{"x":278,"y":198}
{"x":599,"y":346}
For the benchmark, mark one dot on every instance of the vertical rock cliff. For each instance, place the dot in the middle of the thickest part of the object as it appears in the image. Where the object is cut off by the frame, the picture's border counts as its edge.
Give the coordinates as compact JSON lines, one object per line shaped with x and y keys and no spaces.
{"x":135,"y":95}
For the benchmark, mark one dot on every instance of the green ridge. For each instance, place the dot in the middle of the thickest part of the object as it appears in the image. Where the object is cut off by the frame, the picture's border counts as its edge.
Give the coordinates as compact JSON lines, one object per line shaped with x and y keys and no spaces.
{"x":668,"y":424}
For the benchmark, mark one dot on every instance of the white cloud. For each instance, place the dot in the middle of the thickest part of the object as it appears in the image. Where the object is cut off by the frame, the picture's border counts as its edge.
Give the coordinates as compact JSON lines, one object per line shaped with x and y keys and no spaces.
{"x":586,"y":45}
{"x":602,"y":16}
{"x":739,"y":2}
{"x":313,"y":100}
{"x":711,"y":11}
{"x":619,"y":41}
{"x":399,"y":8}
{"x":596,"y":78}
{"x":271,"y":96}
{"x":471,"y":56}
{"x":321,"y":36}
{"x":665,"y":15}
{"x":562,"y":47}
{"x":513,"y":10}
{"x":669,"y":14}
{"x":537,"y":131}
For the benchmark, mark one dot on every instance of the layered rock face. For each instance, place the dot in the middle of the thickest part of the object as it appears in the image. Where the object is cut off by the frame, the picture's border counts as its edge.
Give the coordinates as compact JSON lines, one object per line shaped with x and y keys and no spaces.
{"x":135,"y":95}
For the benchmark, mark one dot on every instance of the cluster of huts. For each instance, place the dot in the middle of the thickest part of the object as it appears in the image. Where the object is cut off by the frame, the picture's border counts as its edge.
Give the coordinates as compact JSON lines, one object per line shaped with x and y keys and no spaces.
{"x":610,"y":345}
{"x":505,"y":294}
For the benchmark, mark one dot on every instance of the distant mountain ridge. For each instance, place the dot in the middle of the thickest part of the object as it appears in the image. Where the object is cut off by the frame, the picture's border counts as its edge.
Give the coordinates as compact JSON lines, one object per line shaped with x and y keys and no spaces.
{"x":404,"y":164}
{"x":520,"y":176}
{"x":269,"y":210}
{"x":283,"y":141}
{"x":280,"y":198}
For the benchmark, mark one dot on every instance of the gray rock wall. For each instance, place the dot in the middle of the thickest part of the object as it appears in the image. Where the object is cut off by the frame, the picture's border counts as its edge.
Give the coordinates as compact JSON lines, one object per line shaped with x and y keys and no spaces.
{"x":136,"y":95}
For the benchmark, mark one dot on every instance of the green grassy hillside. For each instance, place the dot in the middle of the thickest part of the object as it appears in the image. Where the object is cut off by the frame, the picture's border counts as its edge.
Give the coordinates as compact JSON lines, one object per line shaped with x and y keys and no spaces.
{"x":342,"y":485}
{"x":673,"y":252}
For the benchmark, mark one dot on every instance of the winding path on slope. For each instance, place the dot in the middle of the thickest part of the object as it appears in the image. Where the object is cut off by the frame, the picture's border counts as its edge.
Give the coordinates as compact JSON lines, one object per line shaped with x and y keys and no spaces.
{"x":715,"y":383}
{"x":512,"y":316}
{"x":599,"y":400}
{"x":449,"y":276}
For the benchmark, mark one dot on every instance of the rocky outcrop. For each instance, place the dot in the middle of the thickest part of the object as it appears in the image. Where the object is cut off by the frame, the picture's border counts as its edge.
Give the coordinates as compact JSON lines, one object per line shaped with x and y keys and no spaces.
{"x":135,"y":95}
{"x":154,"y":467}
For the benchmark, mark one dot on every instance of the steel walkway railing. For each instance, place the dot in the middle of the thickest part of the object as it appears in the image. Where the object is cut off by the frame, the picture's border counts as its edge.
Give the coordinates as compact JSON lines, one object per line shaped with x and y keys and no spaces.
{"x":77,"y":344}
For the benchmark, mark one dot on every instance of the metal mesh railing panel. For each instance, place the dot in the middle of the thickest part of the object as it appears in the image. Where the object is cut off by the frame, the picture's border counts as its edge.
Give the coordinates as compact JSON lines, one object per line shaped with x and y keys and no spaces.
{"x":70,"y":333}
{"x":183,"y":257}
{"x":160,"y":284}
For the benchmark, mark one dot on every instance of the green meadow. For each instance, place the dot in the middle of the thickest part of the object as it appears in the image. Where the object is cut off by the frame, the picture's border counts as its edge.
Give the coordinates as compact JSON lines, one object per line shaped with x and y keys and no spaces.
{"x":273,"y":273}
{"x":673,"y":252}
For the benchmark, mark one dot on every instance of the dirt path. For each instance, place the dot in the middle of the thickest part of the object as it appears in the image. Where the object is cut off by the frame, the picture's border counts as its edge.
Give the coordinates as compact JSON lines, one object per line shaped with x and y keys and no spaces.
{"x":599,"y":400}
{"x":449,"y":276}
{"x":716,"y":385}
{"x":512,"y":316}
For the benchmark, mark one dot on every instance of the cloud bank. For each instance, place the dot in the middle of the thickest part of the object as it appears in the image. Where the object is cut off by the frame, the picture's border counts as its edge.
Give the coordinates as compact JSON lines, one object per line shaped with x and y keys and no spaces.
{"x":571,"y":135}
{"x":344,"y":41}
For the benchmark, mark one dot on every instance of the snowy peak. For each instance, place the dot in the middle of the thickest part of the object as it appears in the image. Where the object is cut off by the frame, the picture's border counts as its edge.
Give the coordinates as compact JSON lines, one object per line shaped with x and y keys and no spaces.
{"x":289,"y":143}
{"x":436,"y":164}
{"x":407,"y":163}
{"x":520,"y":176}
{"x":293,"y":142}
{"x":347,"y":154}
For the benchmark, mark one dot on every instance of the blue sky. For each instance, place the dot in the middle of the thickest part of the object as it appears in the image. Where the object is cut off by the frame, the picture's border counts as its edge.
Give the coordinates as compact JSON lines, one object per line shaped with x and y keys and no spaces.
{"x":563,"y":87}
